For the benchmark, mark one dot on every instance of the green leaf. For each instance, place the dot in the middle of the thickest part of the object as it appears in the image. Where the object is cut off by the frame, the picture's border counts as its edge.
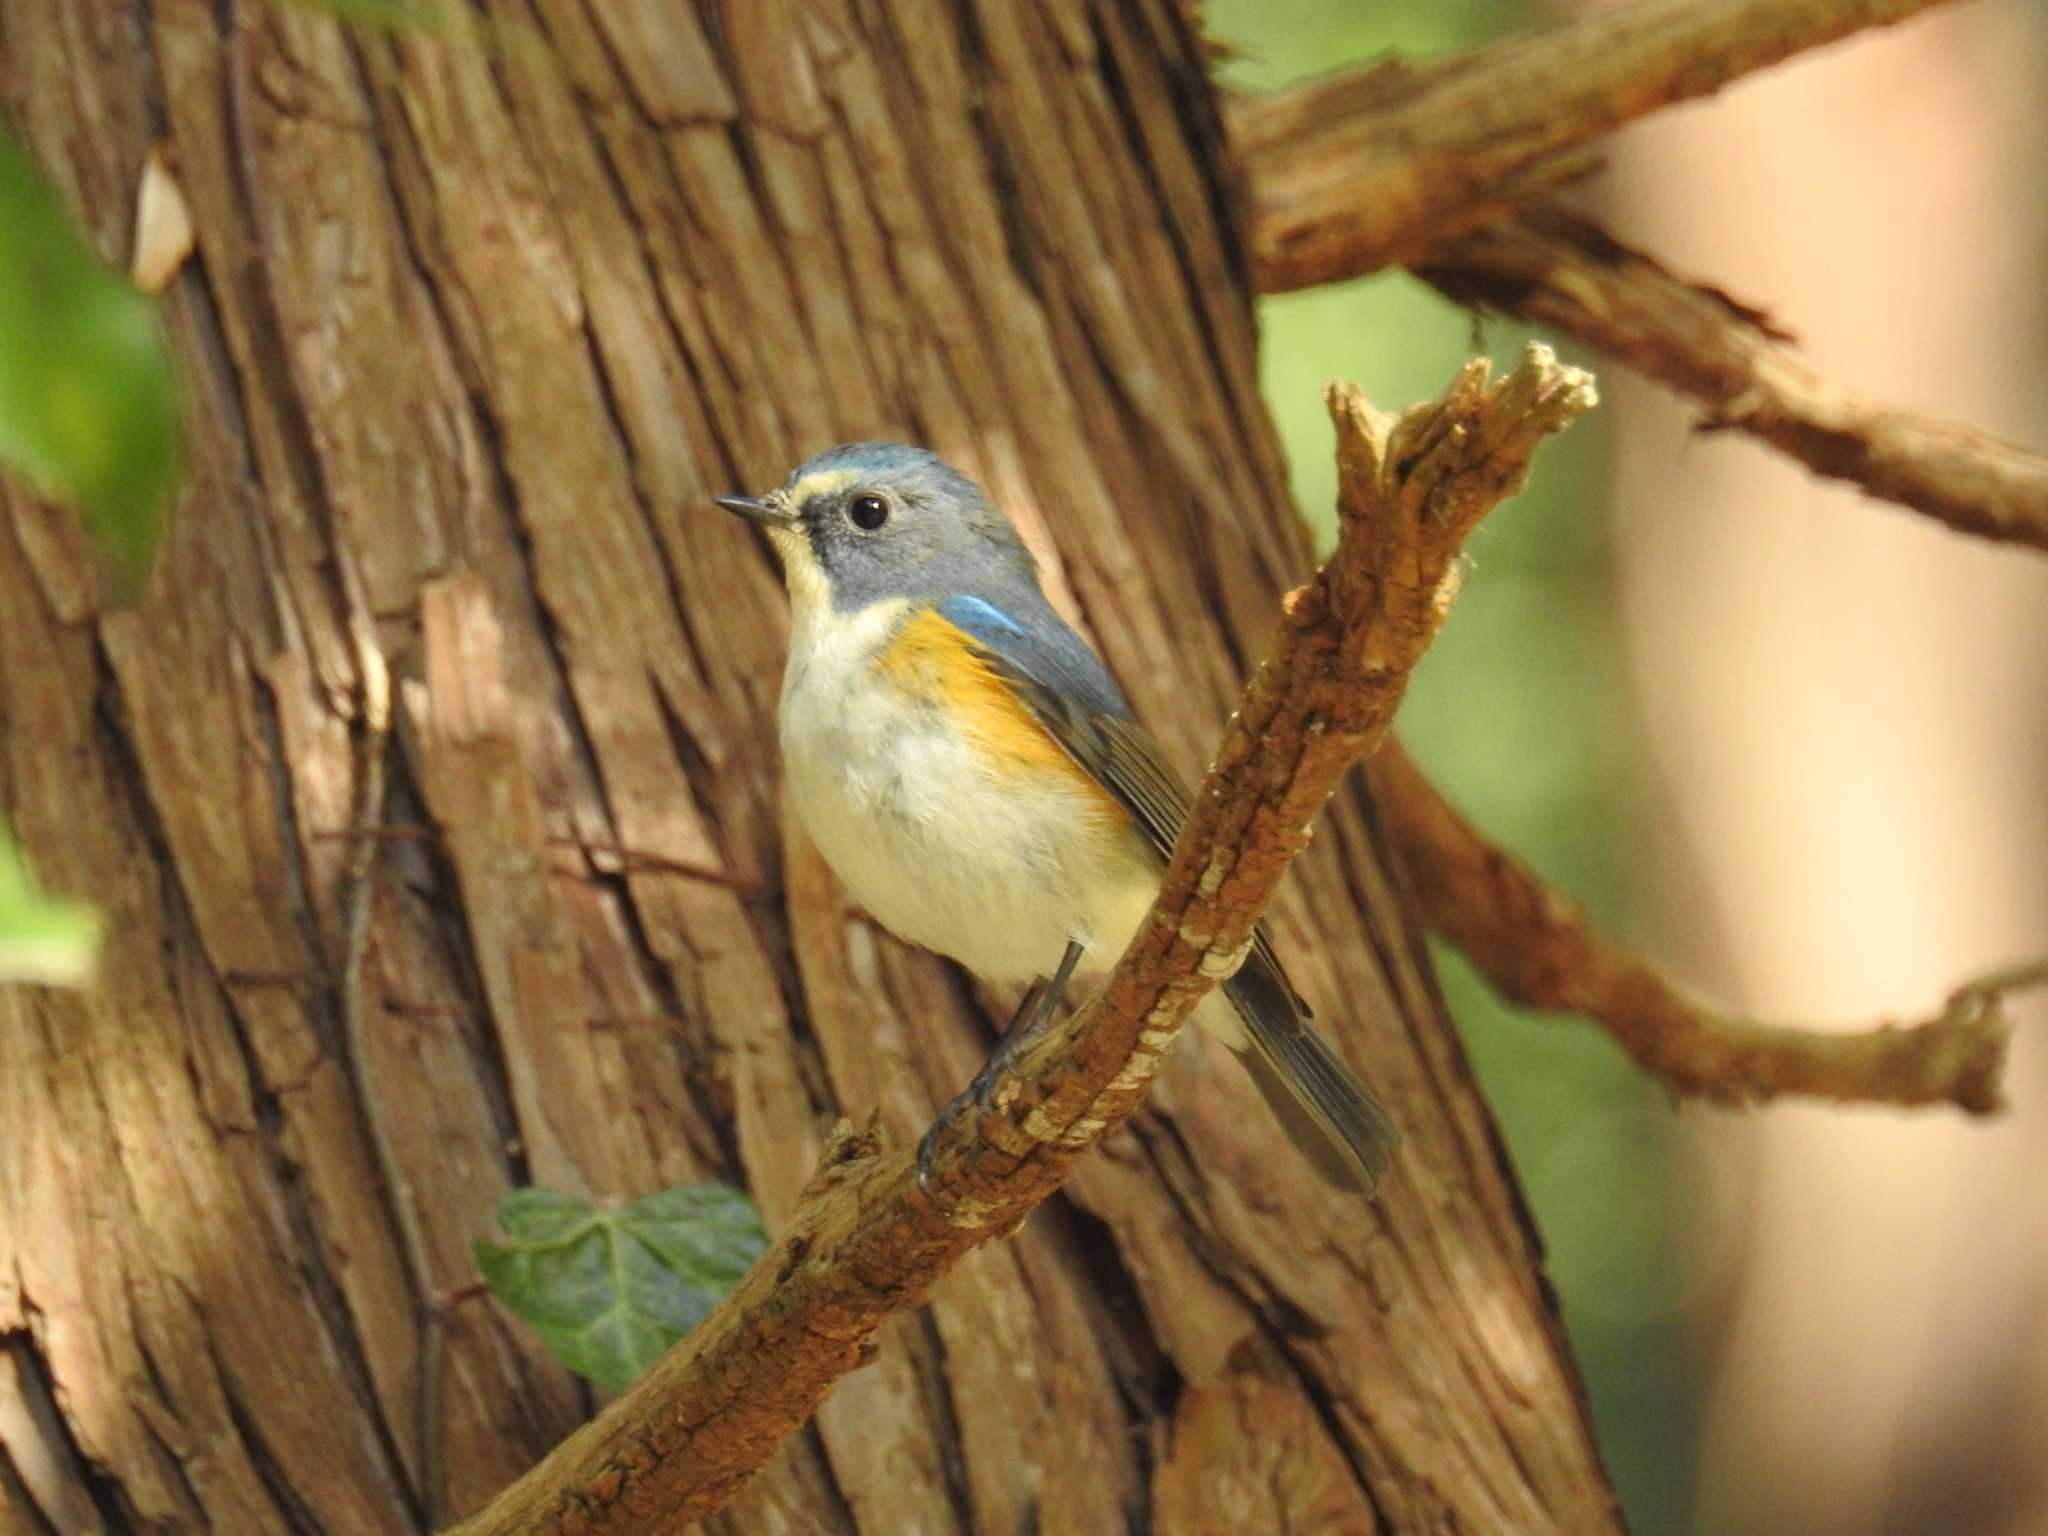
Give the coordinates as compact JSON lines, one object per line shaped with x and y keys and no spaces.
{"x":609,"y":1290}
{"x":88,"y":399}
{"x":52,"y":942}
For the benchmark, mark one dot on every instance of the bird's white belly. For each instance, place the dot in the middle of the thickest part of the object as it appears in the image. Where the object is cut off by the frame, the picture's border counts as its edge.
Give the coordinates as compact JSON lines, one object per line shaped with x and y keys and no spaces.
{"x":996,"y":872}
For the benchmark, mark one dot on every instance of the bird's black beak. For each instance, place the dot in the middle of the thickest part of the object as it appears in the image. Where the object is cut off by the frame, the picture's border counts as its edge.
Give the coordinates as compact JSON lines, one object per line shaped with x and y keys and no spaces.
{"x":758,"y":509}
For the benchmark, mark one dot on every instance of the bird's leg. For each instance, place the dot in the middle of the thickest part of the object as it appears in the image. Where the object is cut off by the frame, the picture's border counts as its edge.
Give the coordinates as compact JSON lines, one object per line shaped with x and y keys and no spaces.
{"x":1022,"y":1023}
{"x":1026,"y":1024}
{"x":1041,"y":1002}
{"x":1049,"y":1005}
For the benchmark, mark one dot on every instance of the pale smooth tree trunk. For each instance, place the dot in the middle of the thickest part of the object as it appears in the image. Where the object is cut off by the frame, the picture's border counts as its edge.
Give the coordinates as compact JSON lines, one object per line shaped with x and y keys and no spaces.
{"x":1860,"y":764}
{"x":491,"y":316}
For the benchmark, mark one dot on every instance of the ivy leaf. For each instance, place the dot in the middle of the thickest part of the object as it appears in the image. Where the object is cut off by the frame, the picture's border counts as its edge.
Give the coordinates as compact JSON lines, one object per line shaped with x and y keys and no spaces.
{"x":88,"y":399}
{"x":41,"y":940}
{"x":610,"y":1289}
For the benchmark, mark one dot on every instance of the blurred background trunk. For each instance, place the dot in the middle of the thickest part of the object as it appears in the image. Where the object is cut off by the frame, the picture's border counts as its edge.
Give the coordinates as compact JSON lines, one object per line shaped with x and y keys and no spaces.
{"x":515,"y":304}
{"x":1858,"y":766}
{"x":1786,"y":740}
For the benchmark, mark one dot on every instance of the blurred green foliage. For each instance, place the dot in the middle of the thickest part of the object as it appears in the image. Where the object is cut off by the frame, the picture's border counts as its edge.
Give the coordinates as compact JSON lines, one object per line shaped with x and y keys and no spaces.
{"x":1521,"y":713}
{"x":423,"y":15}
{"x":88,"y":414}
{"x":45,"y":941}
{"x":88,"y":400}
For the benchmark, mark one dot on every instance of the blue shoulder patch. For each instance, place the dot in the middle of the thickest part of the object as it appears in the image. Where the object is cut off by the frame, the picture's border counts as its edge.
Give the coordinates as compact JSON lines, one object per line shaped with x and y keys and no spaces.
{"x":1037,"y":644}
{"x":983,"y":620}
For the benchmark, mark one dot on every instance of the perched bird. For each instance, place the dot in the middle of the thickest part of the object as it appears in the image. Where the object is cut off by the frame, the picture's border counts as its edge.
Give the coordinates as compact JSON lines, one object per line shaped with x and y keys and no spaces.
{"x":970,"y":771}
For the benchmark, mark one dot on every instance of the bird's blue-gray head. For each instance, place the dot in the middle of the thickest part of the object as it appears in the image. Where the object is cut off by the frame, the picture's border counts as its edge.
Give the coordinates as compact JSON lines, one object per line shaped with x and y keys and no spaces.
{"x":868,"y":522}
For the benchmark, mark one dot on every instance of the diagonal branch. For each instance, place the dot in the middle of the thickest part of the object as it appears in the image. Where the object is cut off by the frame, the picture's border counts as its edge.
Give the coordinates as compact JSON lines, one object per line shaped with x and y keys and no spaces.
{"x":1372,"y":166}
{"x":867,"y":1242}
{"x":1552,"y":267}
{"x":1537,"y":949}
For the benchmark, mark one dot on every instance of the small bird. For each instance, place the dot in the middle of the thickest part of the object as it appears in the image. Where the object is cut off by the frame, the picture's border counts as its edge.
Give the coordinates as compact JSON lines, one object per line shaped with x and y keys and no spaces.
{"x":969,"y":769}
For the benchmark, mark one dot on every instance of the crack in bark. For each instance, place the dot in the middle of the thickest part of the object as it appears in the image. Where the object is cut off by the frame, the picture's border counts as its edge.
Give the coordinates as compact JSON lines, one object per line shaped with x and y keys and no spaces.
{"x":38,"y":1386}
{"x":322,"y":1288}
{"x":41,"y":1399}
{"x":268,"y":355}
{"x":1197,"y":114}
{"x":248,"y":1423}
{"x":937,"y":1389}
{"x":698,"y":1050}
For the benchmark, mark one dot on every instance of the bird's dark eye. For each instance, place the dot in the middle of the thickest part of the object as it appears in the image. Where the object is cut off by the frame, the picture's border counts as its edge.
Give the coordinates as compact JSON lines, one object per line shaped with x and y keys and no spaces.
{"x":868,"y":512}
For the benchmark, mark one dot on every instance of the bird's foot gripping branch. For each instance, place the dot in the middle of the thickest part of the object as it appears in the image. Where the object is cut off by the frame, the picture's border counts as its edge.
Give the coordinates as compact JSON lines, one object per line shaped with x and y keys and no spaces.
{"x":868,"y":1241}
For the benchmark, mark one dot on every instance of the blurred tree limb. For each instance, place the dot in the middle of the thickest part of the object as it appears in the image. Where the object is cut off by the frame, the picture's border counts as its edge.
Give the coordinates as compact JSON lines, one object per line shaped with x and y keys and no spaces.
{"x":1539,"y":950}
{"x":1553,"y":267}
{"x":866,"y":1241}
{"x":1366,"y":167}
{"x":1447,"y":167}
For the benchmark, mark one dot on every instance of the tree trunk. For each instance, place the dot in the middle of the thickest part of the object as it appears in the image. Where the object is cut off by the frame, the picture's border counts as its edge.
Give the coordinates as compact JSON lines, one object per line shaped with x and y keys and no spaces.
{"x":515,"y":304}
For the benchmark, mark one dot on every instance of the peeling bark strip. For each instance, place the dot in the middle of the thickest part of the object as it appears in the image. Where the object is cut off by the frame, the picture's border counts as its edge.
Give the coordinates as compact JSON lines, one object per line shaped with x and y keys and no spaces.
{"x":1373,"y":166}
{"x":470,"y":332}
{"x":1537,"y":949}
{"x":867,"y":1241}
{"x":1552,"y":267}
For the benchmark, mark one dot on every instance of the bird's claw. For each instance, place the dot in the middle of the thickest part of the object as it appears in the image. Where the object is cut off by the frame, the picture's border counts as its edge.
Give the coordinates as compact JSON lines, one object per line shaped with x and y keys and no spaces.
{"x":980,"y":1095}
{"x":1025,"y":1024}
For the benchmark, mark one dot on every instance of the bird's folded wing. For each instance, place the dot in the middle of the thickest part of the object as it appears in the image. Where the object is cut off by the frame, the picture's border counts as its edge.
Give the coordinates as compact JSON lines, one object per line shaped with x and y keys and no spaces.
{"x":1069,"y":692}
{"x":1328,"y":1113}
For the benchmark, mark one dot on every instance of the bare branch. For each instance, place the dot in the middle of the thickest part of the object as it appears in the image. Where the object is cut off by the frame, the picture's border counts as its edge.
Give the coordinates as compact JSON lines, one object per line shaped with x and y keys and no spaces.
{"x":1537,"y":949}
{"x":1557,"y":269}
{"x":1444,"y":166}
{"x":867,"y":1242}
{"x":1372,"y":166}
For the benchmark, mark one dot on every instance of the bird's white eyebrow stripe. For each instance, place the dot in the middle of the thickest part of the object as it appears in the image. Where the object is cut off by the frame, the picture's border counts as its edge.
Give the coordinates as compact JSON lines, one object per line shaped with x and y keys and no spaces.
{"x":821,"y":482}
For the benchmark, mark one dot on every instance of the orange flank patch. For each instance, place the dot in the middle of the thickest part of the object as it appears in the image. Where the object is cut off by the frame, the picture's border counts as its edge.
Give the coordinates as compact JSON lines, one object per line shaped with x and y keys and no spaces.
{"x":934,"y":660}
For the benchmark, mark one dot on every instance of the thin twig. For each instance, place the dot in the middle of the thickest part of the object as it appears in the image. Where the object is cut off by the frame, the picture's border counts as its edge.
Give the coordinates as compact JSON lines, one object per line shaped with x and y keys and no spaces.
{"x":391,"y":832}
{"x":1372,"y":166}
{"x":426,"y":1403}
{"x":1538,"y":949}
{"x":636,"y":861}
{"x":868,"y":1242}
{"x":1557,"y":269}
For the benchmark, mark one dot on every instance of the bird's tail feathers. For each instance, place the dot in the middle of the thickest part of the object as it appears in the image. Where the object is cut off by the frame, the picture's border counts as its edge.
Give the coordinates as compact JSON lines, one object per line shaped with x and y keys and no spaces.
{"x":1330,"y":1116}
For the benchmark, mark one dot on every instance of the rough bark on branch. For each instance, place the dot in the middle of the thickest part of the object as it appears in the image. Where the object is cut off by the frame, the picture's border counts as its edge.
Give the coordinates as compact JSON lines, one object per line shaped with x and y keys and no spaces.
{"x":1537,"y":949}
{"x":1373,"y":166}
{"x":867,"y":1240}
{"x":1554,"y":268}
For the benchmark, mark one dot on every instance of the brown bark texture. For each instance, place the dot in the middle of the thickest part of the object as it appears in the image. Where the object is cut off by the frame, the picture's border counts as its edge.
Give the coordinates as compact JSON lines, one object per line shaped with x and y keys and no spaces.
{"x":430,"y":789}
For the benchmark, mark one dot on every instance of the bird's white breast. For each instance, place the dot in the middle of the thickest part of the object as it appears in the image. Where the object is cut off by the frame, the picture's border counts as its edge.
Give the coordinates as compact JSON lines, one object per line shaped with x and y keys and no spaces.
{"x":944,"y":849}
